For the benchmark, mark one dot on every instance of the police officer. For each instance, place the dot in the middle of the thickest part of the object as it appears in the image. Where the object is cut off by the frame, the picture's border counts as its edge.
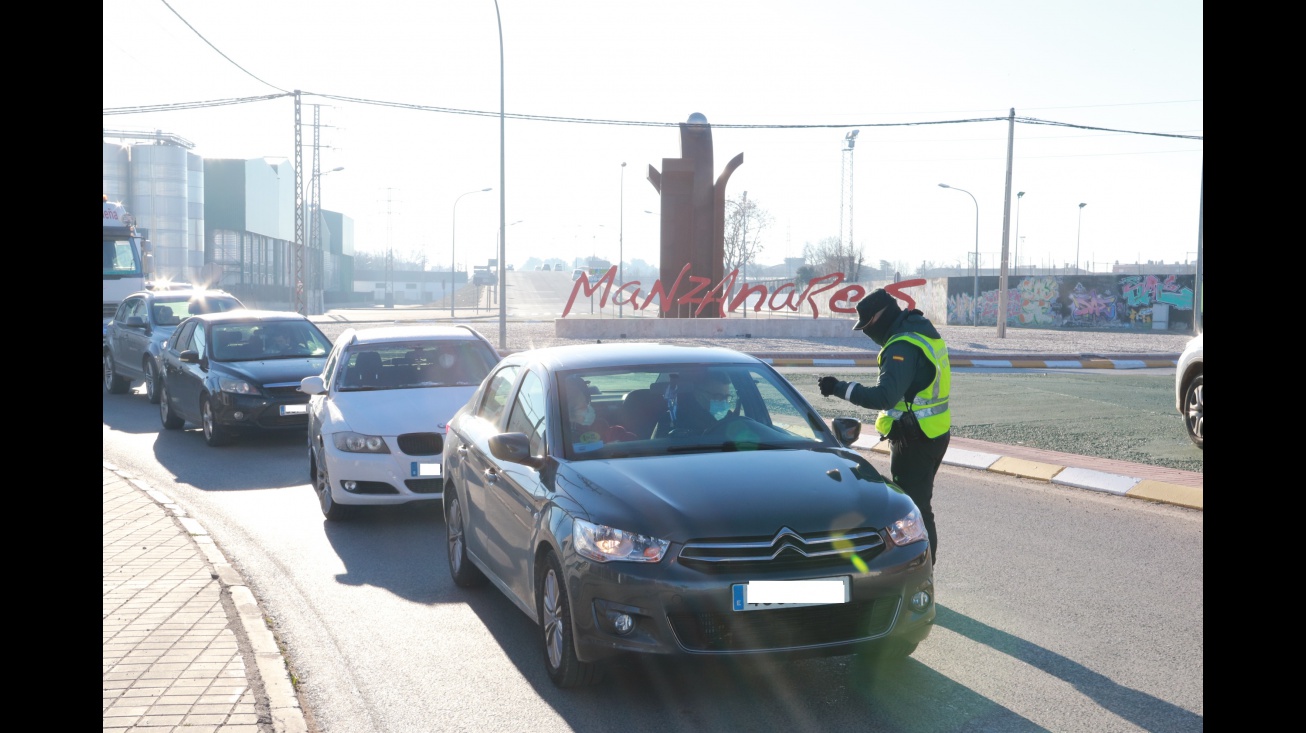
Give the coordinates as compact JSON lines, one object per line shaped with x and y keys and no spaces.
{"x":911,"y":393}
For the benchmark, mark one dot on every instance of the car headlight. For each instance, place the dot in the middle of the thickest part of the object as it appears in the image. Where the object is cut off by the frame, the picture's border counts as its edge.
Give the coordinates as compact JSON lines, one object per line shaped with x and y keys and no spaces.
{"x":907,"y":530}
{"x":608,"y":544}
{"x":236,"y":386}
{"x":359,"y":443}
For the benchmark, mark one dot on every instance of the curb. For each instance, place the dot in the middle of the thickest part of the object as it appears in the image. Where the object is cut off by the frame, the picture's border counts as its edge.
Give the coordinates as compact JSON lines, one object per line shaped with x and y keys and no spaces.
{"x":283,"y":702}
{"x":1132,"y":487}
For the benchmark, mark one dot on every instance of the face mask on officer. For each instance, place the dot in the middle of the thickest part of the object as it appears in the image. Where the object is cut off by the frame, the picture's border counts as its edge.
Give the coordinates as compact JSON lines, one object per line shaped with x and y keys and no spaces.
{"x":876,"y":314}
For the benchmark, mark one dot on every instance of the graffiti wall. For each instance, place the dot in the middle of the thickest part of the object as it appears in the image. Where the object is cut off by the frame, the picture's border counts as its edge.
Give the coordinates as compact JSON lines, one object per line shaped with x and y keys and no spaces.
{"x":1077,"y":301}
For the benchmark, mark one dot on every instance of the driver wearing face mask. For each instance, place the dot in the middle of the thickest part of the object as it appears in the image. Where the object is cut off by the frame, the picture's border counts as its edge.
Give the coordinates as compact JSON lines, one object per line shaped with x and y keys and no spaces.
{"x":709,"y":401}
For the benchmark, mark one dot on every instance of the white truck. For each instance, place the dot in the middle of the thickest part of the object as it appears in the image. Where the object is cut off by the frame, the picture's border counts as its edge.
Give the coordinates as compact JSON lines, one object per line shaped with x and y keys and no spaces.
{"x":126,"y":257}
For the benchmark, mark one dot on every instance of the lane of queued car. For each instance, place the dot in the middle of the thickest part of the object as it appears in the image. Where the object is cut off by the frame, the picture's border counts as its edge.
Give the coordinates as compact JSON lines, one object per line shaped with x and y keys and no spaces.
{"x":378,"y":412}
{"x":134,"y":337}
{"x":238,"y":373}
{"x":578,"y":484}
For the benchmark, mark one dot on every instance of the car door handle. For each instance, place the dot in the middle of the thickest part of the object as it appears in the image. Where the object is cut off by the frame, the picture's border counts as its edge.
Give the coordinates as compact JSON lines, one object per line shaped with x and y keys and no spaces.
{"x":462,"y":450}
{"x":491,"y":476}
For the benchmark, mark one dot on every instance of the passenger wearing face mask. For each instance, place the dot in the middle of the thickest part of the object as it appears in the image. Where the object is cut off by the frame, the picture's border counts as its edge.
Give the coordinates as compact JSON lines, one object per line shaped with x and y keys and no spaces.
{"x":911,"y":392}
{"x":588,"y":430}
{"x":448,"y":369}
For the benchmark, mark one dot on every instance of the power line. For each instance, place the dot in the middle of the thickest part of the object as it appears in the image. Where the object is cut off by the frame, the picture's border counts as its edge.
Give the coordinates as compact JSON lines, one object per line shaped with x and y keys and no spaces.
{"x":215,"y":48}
{"x":626,"y":123}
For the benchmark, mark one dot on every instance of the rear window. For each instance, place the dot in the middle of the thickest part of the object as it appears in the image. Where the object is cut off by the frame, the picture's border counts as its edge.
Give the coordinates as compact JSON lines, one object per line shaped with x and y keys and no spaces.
{"x":419,"y":363}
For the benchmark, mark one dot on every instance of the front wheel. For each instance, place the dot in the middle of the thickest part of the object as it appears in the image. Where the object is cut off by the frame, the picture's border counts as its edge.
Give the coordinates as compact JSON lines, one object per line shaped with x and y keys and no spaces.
{"x":1194,"y":410}
{"x":556,"y":629}
{"x":151,"y":381}
{"x":332,"y":511}
{"x":113,"y":382}
{"x":170,"y":419}
{"x":464,"y":572}
{"x":214,"y":434}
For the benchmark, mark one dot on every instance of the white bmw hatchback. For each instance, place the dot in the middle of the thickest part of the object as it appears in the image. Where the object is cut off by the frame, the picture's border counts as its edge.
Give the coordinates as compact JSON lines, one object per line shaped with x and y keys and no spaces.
{"x":379,"y":411}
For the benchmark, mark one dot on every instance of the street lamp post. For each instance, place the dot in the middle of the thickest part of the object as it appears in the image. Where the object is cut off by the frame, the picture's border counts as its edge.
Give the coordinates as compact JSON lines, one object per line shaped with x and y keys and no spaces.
{"x":1077,"y":232}
{"x":976,"y":295}
{"x":503,"y":215}
{"x":453,"y":241}
{"x":1016,"y":255}
{"x":621,"y":243}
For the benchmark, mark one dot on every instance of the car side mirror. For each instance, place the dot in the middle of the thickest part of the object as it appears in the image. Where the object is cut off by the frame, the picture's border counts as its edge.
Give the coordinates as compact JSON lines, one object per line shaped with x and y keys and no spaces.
{"x":847,"y":430}
{"x":312,"y":385}
{"x":514,"y":448}
{"x":134,"y":322}
{"x":189,"y":356}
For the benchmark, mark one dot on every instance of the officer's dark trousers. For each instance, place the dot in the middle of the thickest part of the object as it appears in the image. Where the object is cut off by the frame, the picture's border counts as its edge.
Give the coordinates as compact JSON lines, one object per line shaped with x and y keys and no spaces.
{"x":913,"y":465}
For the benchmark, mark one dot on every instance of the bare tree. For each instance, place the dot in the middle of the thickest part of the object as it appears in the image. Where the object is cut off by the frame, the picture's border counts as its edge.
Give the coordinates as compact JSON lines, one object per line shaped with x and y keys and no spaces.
{"x":832,"y":255}
{"x":746,"y":222}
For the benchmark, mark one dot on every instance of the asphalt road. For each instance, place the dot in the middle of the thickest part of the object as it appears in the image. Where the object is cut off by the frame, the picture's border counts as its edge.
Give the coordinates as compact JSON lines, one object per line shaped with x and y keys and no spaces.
{"x":1059,"y":610}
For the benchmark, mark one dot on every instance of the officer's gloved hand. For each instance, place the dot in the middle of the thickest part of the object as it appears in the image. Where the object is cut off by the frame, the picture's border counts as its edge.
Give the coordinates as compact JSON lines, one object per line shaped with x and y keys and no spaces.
{"x":829,"y":385}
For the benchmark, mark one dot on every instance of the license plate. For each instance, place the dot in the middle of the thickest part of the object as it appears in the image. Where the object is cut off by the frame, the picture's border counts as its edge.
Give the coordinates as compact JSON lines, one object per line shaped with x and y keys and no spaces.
{"x":294,"y":409}
{"x":759,"y":595}
{"x":426,"y":469}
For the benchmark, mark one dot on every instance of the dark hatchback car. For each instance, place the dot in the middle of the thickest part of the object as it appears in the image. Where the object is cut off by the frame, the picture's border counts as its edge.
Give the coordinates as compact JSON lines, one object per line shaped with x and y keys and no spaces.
{"x":756,"y":530}
{"x":239,"y":372}
{"x":134,"y":337}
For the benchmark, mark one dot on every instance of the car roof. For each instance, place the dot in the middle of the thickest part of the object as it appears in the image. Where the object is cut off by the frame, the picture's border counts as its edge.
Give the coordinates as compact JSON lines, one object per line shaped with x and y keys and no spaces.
{"x":182,"y":294}
{"x":239,"y":316}
{"x":382,"y":334}
{"x":599,"y":356}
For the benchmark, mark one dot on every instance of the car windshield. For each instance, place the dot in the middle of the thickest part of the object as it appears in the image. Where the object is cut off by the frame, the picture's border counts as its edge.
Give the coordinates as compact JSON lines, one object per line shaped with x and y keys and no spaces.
{"x":414,"y":364}
{"x":168,"y":312}
{"x":683,"y":408}
{"x":259,"y":340}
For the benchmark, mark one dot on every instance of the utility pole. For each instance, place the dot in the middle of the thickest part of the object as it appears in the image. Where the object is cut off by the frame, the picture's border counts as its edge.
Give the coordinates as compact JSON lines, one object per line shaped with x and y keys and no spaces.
{"x":313,"y":266}
{"x":297,"y":302}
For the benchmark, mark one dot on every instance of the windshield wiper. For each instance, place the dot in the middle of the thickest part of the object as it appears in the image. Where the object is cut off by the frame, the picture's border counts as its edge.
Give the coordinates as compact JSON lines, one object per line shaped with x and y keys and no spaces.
{"x":729,"y":446}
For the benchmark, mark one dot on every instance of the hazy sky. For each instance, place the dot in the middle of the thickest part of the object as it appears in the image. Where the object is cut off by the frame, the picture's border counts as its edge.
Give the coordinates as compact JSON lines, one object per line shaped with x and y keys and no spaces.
{"x":796,"y":76}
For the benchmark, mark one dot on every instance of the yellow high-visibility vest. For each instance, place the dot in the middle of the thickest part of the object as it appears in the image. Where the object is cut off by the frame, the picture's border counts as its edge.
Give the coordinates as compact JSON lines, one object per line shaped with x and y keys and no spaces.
{"x":931,"y":403}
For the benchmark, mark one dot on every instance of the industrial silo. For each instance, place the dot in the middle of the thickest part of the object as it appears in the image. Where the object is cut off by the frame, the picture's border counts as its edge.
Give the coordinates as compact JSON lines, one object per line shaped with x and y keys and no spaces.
{"x":159,"y":191}
{"x":116,"y":167}
{"x":195,"y":212}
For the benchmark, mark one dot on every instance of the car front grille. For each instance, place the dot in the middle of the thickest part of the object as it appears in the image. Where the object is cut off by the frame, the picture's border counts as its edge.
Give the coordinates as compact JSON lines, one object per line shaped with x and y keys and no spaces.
{"x":786,"y":550}
{"x":287,"y":393}
{"x":783,"y":628}
{"x":425,"y":485}
{"x":421,"y":444}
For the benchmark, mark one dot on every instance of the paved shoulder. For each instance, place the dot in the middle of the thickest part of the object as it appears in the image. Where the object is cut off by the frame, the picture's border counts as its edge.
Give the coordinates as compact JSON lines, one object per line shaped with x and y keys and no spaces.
{"x":176,"y":649}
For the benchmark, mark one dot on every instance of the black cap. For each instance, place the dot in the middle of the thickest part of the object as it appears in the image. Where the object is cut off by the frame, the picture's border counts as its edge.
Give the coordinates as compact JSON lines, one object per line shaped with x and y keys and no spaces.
{"x":873,"y":303}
